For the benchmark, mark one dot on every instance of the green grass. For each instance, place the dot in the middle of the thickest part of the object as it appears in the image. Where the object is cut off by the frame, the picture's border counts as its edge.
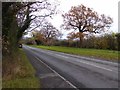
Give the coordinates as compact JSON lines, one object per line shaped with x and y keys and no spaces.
{"x":19,"y":73}
{"x":21,"y":83}
{"x":96,"y":53}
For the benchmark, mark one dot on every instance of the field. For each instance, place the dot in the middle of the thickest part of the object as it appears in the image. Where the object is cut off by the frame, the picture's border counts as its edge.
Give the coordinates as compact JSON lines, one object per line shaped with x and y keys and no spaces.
{"x":96,"y":53}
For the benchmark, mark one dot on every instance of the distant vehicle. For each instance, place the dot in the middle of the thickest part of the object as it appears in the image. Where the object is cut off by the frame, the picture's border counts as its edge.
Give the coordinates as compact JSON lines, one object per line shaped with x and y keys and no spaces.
{"x":20,"y":45}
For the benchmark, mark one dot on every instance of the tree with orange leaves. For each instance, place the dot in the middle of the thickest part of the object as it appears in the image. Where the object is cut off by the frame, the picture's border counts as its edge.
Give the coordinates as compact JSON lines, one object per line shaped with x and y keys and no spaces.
{"x":84,"y":19}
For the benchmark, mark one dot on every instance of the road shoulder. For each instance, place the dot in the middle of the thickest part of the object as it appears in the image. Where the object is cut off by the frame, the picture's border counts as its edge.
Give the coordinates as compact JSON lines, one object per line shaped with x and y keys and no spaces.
{"x":48,"y":78}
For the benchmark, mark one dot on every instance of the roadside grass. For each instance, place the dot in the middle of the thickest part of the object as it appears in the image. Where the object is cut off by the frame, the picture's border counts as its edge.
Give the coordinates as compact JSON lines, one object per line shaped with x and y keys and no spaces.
{"x":18,"y":72}
{"x":95,"y":53}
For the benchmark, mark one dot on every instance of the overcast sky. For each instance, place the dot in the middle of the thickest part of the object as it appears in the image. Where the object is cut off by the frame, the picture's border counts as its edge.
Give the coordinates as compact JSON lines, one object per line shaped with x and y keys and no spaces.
{"x":107,"y":7}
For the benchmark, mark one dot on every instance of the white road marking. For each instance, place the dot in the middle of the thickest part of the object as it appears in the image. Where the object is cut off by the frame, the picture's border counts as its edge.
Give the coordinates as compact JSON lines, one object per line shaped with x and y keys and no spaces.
{"x":92,"y":59}
{"x":49,"y":53}
{"x":85,"y":63}
{"x":88,"y":63}
{"x":96,"y":66}
{"x":78,"y":57}
{"x":61,"y":56}
{"x":57,"y":74}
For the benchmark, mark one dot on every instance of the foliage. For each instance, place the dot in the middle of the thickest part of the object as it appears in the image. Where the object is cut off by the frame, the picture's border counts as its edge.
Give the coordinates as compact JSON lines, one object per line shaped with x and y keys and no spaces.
{"x":85,"y":20}
{"x":47,"y":34}
{"x":106,"y":41}
{"x":8,"y":21}
{"x":17,"y":17}
{"x":29,"y":41}
{"x":12,"y":32}
{"x":118,"y":40}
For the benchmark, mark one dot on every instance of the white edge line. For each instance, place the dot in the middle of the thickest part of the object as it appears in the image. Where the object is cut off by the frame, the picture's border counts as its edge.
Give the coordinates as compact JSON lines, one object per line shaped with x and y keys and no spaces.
{"x":57,"y":73}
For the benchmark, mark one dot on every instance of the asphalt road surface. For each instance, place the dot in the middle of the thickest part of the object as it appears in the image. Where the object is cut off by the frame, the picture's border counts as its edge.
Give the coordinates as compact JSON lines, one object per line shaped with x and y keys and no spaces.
{"x":78,"y":71}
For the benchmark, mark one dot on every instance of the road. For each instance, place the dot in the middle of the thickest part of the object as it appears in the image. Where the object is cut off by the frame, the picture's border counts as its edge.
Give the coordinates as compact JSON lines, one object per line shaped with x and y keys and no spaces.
{"x":80,"y":72}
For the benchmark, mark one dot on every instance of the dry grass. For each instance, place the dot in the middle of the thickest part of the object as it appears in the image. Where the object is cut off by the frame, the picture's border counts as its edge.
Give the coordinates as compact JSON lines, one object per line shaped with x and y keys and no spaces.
{"x":10,"y":67}
{"x":17,"y":72}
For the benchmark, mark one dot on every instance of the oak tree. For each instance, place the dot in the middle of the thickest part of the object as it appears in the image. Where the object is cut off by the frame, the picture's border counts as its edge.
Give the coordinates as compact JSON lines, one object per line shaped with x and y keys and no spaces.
{"x":84,"y":19}
{"x":47,"y":33}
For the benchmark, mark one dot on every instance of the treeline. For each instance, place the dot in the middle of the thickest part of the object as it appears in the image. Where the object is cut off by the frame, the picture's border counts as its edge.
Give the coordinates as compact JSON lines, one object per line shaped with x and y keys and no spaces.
{"x":106,"y":41}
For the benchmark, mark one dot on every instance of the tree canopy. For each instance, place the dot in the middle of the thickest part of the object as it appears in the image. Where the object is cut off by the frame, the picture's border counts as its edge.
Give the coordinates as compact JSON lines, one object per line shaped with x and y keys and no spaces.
{"x":47,"y":33}
{"x":84,"y":19}
{"x":17,"y":17}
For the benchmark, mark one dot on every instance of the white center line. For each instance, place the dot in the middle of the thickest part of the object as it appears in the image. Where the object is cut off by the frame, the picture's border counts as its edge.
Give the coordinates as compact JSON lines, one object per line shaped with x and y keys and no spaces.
{"x":88,"y":63}
{"x":61,"y":56}
{"x":96,"y":66}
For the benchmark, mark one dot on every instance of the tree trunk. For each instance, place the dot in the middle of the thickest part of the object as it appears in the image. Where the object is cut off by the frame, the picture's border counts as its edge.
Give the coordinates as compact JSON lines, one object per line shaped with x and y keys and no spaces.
{"x":9,"y":29}
{"x":80,"y":39}
{"x":12,"y":37}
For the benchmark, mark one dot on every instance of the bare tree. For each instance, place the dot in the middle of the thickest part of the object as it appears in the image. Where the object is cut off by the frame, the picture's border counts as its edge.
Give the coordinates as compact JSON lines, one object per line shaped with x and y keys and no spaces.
{"x":47,"y":33}
{"x":32,"y":14}
{"x":18,"y":17}
{"x":85,"y":19}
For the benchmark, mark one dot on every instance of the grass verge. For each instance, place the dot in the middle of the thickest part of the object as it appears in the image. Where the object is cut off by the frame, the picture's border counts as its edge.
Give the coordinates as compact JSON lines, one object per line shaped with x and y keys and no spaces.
{"x":96,"y":53}
{"x":18,"y":72}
